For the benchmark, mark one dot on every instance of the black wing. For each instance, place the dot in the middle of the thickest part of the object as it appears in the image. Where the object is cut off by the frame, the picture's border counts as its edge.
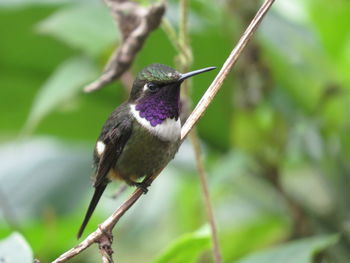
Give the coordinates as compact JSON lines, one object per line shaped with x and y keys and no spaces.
{"x":115,"y":133}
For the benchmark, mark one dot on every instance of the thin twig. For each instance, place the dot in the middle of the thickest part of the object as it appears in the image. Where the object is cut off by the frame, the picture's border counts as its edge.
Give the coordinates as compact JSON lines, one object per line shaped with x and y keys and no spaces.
{"x":207,"y":98}
{"x":105,"y":246}
{"x":206,"y":195}
{"x":106,"y":259}
{"x":185,"y":56}
{"x":171,"y":34}
{"x":185,"y":60}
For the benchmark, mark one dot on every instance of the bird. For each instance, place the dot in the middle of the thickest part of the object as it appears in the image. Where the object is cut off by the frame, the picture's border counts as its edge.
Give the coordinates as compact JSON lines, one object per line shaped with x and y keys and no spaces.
{"x":141,"y":135}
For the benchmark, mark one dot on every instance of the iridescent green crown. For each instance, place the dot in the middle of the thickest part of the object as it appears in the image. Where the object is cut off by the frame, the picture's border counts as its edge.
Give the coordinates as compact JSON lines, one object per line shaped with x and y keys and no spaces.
{"x":159,"y":73}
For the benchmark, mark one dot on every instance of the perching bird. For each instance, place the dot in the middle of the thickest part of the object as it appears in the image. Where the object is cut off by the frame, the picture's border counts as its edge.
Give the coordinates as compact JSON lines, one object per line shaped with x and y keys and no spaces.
{"x":141,"y":135}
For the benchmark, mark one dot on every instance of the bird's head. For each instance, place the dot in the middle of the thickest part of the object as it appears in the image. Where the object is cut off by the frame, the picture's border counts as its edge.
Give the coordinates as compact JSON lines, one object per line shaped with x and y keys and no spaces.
{"x":156,"y":91}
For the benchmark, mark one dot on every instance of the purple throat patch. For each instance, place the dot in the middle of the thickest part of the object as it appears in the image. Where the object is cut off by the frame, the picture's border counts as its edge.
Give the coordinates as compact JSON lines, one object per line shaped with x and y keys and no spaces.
{"x":159,"y":107}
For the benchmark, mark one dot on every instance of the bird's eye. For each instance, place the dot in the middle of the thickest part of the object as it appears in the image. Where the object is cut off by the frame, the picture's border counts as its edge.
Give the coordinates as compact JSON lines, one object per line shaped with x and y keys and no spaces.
{"x":152,"y":87}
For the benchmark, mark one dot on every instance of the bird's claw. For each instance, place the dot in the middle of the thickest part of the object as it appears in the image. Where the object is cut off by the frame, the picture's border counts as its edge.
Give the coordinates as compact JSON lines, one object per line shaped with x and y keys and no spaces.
{"x":143,"y":186}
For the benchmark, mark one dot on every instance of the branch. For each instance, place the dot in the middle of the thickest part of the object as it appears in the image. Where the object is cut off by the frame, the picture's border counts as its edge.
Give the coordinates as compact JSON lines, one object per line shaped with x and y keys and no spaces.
{"x":207,"y":98}
{"x":105,"y":246}
{"x":225,"y":70}
{"x":104,"y":228}
{"x":135,"y":23}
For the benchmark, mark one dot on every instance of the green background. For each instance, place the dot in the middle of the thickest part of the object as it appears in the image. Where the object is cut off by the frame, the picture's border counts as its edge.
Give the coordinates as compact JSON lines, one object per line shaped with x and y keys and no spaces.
{"x":276,"y":138}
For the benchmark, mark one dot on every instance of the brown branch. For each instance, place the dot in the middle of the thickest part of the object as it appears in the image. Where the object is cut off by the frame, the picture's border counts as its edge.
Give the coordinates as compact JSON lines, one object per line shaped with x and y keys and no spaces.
{"x":225,"y":70}
{"x":106,"y":258}
{"x":105,"y":246}
{"x":104,"y":228}
{"x":135,"y":23}
{"x":207,"y":98}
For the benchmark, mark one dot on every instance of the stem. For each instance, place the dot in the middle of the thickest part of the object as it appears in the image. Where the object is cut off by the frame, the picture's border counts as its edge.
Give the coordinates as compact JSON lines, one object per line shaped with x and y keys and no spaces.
{"x":106,"y":258}
{"x":185,"y":59}
{"x":206,"y":195}
{"x":171,"y":34}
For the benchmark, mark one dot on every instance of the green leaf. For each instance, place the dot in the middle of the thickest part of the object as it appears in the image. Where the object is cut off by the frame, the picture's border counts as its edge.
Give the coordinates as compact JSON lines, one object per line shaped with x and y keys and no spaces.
{"x":87,"y":26}
{"x":61,"y":87}
{"x":301,"y":251}
{"x":186,"y":248}
{"x":51,"y":167}
{"x":336,"y":42}
{"x":15,"y":249}
{"x":247,"y":235}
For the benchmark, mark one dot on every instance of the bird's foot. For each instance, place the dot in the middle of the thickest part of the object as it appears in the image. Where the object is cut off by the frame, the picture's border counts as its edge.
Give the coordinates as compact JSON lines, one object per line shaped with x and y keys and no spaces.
{"x":142,"y":185}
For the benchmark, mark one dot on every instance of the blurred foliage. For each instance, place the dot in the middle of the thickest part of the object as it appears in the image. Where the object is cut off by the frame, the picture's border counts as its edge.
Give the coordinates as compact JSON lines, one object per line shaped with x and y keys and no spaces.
{"x":15,"y":249}
{"x":276,"y":137}
{"x":300,"y":251}
{"x":186,"y":248}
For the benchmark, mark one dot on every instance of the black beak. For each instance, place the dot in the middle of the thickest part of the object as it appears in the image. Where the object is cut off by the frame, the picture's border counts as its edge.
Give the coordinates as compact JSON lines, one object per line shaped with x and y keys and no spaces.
{"x":192,"y":73}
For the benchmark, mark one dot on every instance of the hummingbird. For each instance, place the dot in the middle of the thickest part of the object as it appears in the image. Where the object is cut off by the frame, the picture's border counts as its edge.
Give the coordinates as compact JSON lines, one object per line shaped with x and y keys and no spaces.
{"x":142,"y":135}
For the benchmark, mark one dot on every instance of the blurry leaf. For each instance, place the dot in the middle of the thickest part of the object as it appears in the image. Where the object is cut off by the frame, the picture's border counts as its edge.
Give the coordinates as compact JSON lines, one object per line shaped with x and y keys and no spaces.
{"x":240,"y":238}
{"x":44,"y":174}
{"x":232,"y":165}
{"x":14,"y":249}
{"x":305,"y":141}
{"x":56,"y":233}
{"x":87,"y":26}
{"x":331,"y":25}
{"x":298,"y":64}
{"x":186,"y":248}
{"x":250,"y":211}
{"x":26,"y":61}
{"x":301,"y":251}
{"x":241,"y":193}
{"x":336,"y":110}
{"x":62,"y":86}
{"x":293,"y":10}
{"x":301,"y":180}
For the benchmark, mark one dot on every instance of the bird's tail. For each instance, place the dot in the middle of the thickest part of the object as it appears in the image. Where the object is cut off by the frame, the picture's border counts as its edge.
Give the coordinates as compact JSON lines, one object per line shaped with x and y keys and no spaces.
{"x":95,"y":198}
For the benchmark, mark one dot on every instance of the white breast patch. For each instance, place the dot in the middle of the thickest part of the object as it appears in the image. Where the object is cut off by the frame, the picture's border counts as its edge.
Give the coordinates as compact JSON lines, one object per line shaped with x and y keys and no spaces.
{"x":100,"y":147}
{"x":168,"y":130}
